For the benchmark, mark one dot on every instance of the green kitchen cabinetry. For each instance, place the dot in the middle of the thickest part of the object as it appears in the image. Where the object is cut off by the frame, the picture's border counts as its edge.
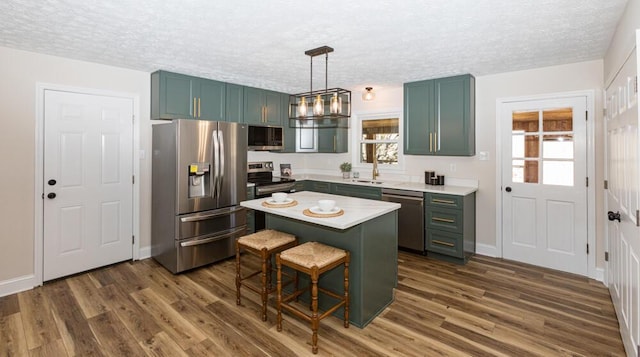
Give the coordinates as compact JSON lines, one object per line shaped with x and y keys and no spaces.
{"x":235,"y":103}
{"x":317,"y":186}
{"x":288,"y":132}
{"x":178,"y":96}
{"x":450,"y":223}
{"x":360,"y":191}
{"x":301,"y":186}
{"x":439,"y":117}
{"x":251,"y":226}
{"x":262,"y":107}
{"x":332,"y":140}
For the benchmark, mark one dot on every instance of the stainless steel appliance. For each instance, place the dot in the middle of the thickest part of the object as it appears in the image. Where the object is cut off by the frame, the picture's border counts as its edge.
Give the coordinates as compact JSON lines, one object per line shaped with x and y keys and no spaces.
{"x":199,"y":177}
{"x":410,"y":217}
{"x":265,"y":138}
{"x":261,"y":174}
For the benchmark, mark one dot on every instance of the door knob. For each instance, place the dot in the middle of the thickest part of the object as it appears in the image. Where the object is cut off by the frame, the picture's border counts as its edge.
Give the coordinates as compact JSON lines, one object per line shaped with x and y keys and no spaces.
{"x":614,"y":216}
{"x":51,"y":195}
{"x":52,"y":182}
{"x":508,"y":189}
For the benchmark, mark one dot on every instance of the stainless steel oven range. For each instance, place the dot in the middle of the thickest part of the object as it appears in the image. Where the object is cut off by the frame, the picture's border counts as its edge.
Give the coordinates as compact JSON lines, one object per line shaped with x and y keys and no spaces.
{"x":261,"y":174}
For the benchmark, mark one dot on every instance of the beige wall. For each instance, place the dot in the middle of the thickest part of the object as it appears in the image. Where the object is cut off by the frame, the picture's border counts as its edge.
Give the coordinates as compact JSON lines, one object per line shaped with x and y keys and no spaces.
{"x":20,"y":71}
{"x":565,"y":78}
{"x":623,"y":41}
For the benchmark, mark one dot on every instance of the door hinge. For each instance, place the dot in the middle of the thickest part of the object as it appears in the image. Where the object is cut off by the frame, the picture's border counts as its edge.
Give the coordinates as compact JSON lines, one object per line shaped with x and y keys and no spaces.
{"x":587,"y":248}
{"x":606,"y":256}
{"x":586,"y":115}
{"x":133,"y":118}
{"x":133,"y":179}
{"x":133,"y":239}
{"x":606,"y":184}
{"x":637,"y":218}
{"x":587,"y":181}
{"x":635,"y":89}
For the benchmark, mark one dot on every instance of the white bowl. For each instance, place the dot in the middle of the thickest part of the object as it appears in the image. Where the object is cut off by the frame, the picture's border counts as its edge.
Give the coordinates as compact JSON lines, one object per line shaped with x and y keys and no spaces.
{"x":326,"y":205}
{"x":279,"y":196}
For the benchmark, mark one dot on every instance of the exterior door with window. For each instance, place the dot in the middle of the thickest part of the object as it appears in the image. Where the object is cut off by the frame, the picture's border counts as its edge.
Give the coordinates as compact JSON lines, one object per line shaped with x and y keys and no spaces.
{"x":544,"y":192}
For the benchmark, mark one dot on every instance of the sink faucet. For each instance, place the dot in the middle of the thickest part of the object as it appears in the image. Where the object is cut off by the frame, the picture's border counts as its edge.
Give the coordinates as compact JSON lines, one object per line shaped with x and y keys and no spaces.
{"x":375,"y":168}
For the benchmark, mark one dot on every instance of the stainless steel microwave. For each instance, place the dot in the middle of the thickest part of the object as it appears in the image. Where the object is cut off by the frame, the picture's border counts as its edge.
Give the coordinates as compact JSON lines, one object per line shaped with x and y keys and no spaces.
{"x":265,"y":138}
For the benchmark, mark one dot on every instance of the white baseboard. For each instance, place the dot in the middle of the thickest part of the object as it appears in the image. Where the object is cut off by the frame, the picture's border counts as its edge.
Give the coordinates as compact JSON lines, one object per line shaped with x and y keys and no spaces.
{"x":144,"y":253}
{"x":488,"y":250}
{"x":16,"y":285}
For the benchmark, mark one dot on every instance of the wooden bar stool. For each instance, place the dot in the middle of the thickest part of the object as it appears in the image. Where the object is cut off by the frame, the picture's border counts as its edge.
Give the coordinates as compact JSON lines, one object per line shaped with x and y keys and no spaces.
{"x":261,"y":244}
{"x":313,"y":259}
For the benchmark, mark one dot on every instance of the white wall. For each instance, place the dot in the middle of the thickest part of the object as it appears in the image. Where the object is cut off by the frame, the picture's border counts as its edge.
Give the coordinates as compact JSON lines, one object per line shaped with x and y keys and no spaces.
{"x":571,"y":77}
{"x":20,"y":71}
{"x":623,"y":41}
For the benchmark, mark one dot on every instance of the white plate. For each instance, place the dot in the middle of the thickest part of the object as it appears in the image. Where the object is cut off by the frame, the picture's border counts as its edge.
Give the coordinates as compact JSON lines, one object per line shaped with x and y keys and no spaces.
{"x":317,"y":210}
{"x":286,"y":200}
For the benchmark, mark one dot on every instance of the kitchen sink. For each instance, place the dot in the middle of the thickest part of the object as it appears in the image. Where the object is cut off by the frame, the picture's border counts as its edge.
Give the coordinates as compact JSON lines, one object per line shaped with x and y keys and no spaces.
{"x":367,"y":181}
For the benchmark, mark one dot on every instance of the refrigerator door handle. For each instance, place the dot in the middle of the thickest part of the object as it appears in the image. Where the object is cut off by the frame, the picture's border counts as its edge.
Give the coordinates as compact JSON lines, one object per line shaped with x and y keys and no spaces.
{"x":216,"y":164}
{"x":204,"y":217}
{"x":211,"y":239}
{"x":221,"y":156}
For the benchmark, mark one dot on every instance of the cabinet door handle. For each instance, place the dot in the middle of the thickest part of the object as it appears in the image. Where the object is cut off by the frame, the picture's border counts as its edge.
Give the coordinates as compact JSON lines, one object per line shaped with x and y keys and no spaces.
{"x":437,"y":200}
{"x":195,"y":113}
{"x":446,"y":220}
{"x":443,"y":243}
{"x":435,"y":142}
{"x":199,"y":112}
{"x":430,"y":142}
{"x":264,"y":114}
{"x":335,"y":139}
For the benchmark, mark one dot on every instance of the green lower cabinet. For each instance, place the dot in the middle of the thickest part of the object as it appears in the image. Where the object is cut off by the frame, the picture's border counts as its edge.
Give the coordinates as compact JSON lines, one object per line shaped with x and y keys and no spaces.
{"x":301,"y":186}
{"x":450,"y":226}
{"x":372,"y":193}
{"x":318,"y":186}
{"x":250,"y":214}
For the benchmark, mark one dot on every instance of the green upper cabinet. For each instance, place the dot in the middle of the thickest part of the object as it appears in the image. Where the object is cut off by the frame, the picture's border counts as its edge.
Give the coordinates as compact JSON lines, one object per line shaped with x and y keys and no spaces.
{"x":439,"y":117}
{"x":332,"y":139}
{"x":262,"y":107}
{"x":235,"y":103}
{"x":178,"y":96}
{"x":289,"y":133}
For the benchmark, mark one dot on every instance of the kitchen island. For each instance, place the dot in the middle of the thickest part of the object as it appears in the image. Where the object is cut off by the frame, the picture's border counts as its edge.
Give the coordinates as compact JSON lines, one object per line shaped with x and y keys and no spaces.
{"x":368,"y":229}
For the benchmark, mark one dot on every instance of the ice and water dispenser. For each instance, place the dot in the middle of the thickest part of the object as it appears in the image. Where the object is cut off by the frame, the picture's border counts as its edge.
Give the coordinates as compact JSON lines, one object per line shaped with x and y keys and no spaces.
{"x":199,"y":180}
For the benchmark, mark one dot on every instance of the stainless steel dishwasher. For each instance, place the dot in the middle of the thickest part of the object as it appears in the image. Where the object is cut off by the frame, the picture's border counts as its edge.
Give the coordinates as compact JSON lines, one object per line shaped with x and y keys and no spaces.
{"x":410,"y":217}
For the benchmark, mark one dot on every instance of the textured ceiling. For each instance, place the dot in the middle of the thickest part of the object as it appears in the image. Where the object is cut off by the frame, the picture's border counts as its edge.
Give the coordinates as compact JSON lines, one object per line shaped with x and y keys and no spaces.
{"x":261,"y":43}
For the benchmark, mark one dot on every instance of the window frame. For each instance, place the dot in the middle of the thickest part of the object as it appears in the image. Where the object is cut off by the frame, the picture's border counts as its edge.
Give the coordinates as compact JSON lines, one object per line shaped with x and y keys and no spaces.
{"x":356,"y":142}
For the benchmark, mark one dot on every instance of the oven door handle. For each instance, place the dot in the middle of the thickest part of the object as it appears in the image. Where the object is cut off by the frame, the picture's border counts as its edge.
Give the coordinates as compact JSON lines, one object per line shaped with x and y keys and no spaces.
{"x":192,"y":243}
{"x":210,"y":215}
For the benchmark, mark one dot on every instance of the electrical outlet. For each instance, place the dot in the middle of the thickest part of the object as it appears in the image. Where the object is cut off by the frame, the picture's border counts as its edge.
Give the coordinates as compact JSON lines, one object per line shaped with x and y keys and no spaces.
{"x":483,"y":156}
{"x":452,"y":167}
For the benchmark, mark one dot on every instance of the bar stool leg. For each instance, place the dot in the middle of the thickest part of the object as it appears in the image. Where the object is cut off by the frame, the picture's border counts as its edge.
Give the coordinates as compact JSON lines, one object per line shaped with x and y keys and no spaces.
{"x":346,"y":290}
{"x":314,"y":309}
{"x":237,"y":273}
{"x":264,"y":291}
{"x":279,"y":292}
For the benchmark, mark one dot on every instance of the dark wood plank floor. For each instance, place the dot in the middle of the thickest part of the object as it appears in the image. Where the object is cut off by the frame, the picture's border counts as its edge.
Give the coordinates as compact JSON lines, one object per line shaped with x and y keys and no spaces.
{"x":489,"y":307}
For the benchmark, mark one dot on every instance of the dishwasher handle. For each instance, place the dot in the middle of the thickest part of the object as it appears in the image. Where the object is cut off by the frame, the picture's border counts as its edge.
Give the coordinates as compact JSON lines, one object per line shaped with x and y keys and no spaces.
{"x":408,"y":198}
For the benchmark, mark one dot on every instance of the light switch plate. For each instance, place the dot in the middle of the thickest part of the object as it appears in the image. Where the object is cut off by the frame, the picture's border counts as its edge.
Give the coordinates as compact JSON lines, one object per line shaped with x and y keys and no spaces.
{"x":483,"y":156}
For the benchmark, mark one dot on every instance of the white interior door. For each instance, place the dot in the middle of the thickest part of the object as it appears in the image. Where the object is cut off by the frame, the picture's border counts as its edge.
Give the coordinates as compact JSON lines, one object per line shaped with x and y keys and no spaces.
{"x":621,"y":121}
{"x":544,"y":193}
{"x":88,"y":189}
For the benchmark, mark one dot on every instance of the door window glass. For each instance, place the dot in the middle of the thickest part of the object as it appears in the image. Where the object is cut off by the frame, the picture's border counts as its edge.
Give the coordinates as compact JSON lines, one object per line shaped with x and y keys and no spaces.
{"x":543,"y":147}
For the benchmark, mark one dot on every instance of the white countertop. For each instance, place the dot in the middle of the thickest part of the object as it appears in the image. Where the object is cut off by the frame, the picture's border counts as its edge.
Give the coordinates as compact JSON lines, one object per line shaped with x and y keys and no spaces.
{"x":356,"y":210}
{"x":399,"y":185}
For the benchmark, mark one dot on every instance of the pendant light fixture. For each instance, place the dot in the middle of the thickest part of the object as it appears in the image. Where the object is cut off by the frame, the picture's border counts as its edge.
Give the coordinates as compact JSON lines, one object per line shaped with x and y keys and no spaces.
{"x":311,"y":105}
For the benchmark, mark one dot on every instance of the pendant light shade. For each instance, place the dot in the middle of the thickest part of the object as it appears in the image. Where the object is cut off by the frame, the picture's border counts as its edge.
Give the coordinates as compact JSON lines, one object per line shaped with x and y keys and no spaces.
{"x":338,"y":100}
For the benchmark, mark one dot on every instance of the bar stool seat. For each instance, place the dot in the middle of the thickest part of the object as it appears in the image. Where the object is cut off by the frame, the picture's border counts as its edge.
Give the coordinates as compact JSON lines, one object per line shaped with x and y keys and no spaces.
{"x":313,"y":259}
{"x":262,"y":244}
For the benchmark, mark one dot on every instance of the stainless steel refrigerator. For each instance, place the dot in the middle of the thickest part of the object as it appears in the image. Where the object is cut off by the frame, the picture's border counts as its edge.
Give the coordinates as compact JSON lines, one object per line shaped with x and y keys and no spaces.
{"x":199,"y":178}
